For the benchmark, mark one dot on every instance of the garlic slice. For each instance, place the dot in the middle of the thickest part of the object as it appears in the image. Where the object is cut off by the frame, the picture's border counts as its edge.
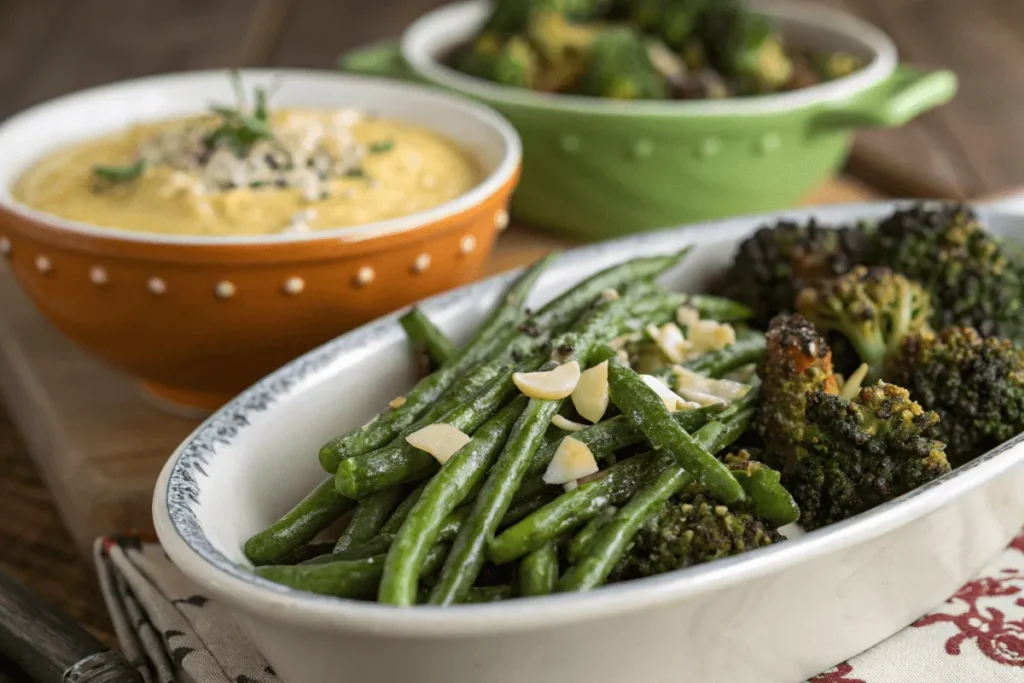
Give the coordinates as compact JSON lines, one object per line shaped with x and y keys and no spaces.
{"x":671,"y":399}
{"x":551,"y":384}
{"x":567,"y":424}
{"x":573,"y":459}
{"x":591,"y":393}
{"x":440,"y":440}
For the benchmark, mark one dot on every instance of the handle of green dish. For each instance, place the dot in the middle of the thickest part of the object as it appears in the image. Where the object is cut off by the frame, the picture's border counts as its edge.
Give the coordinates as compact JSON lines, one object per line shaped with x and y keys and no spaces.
{"x":378,"y":59}
{"x":904,"y":96}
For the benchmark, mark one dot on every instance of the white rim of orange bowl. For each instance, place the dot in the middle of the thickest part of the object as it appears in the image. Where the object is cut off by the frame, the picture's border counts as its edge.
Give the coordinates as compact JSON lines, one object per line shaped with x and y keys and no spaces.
{"x":486,"y":188}
{"x":455,"y":22}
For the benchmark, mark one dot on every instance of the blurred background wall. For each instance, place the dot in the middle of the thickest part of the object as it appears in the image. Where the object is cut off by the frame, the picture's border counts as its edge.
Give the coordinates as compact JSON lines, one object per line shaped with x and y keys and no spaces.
{"x":969,"y":148}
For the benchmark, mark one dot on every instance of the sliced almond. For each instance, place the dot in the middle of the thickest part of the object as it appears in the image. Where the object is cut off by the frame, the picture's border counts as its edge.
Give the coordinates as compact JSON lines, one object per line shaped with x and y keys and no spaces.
{"x":567,"y":424}
{"x":670,"y":341}
{"x":591,"y":393}
{"x":609,"y":294}
{"x":687,"y":316}
{"x":572,"y":460}
{"x":671,"y":399}
{"x":551,"y":384}
{"x":702,"y":398}
{"x":397,"y":403}
{"x":710,"y":335}
{"x":705,"y":390}
{"x":440,"y":440}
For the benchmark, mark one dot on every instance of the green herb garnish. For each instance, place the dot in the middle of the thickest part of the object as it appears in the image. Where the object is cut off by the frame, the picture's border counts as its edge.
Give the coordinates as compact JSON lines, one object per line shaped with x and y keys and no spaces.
{"x":382,"y":146}
{"x":238,"y":130}
{"x":119,"y":174}
{"x":355,"y":173}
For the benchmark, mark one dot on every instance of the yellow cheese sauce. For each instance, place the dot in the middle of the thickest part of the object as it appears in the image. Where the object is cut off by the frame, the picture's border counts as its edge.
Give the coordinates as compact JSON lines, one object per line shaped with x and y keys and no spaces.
{"x":398,"y":169}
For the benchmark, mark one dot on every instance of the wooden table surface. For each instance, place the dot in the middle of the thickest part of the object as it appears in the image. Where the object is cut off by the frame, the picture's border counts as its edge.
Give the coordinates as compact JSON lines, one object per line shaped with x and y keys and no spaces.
{"x":48,"y":47}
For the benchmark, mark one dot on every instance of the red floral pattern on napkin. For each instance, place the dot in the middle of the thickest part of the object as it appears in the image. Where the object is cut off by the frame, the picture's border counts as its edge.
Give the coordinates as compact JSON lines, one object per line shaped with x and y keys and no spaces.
{"x":976,"y":635}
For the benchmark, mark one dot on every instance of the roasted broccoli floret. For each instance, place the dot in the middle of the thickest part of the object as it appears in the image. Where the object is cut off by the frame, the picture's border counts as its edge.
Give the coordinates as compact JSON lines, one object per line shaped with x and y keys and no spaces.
{"x":517,"y":64}
{"x":619,"y":67}
{"x":975,"y":385}
{"x":564,"y":48}
{"x":861,"y":453}
{"x":797,"y":362}
{"x":744,"y":46}
{"x":836,"y":65}
{"x":510,"y":17}
{"x":777,"y":261}
{"x":972,"y":279}
{"x":875,"y":309}
{"x":674,"y":21}
{"x":692,"y":528}
{"x":478,"y":58}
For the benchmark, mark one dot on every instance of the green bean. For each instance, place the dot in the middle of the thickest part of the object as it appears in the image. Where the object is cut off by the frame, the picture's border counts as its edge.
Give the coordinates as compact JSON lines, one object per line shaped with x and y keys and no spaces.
{"x":525,"y":507}
{"x":298,"y":526}
{"x":564,"y":310}
{"x":718,"y":308}
{"x":378,"y":545}
{"x":581,"y":541}
{"x":478,"y":594}
{"x":306,"y":553}
{"x":538,"y":572}
{"x":370,"y":515}
{"x":611,"y":542}
{"x":616,"y":486}
{"x":357,"y":579}
{"x":422,"y":331}
{"x":648,"y":414}
{"x":401,"y":463}
{"x":768,"y":498}
{"x":388,"y":425}
{"x":467,"y":555}
{"x":509,"y":311}
{"x":402,"y":511}
{"x":535,"y":485}
{"x":354,"y":579}
{"x":463,"y":390}
{"x":617,"y":433}
{"x":441,"y":496}
{"x":577,"y":507}
{"x":449,"y":529}
{"x":748,"y":348}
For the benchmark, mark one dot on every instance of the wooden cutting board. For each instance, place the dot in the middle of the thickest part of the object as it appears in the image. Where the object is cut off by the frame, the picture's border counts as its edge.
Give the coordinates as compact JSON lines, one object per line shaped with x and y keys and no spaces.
{"x":100,"y":445}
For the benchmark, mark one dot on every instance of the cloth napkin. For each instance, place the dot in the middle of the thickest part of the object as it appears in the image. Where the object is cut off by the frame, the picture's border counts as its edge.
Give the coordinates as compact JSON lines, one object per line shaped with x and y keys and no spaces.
{"x":174,"y":634}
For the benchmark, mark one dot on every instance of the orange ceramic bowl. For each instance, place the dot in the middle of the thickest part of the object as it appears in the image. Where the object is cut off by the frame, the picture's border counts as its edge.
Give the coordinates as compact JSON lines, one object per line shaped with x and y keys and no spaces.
{"x":197,"y":319}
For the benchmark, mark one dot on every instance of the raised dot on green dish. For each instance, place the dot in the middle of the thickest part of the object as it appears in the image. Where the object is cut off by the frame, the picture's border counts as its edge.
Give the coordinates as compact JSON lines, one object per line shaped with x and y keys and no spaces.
{"x":769,"y":143}
{"x":569,"y":143}
{"x":710,"y":147}
{"x":643,"y":148}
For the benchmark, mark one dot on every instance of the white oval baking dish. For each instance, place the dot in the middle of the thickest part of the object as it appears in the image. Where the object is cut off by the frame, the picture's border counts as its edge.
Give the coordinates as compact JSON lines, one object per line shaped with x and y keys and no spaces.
{"x":782,"y":613}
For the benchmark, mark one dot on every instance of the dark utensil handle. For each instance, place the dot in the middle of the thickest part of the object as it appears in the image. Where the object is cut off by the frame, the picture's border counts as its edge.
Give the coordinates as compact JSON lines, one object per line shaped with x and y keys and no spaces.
{"x":50,"y":647}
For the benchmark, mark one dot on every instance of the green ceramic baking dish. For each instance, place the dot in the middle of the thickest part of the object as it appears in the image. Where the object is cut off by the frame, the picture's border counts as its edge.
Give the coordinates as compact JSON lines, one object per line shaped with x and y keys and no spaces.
{"x":599,"y":168}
